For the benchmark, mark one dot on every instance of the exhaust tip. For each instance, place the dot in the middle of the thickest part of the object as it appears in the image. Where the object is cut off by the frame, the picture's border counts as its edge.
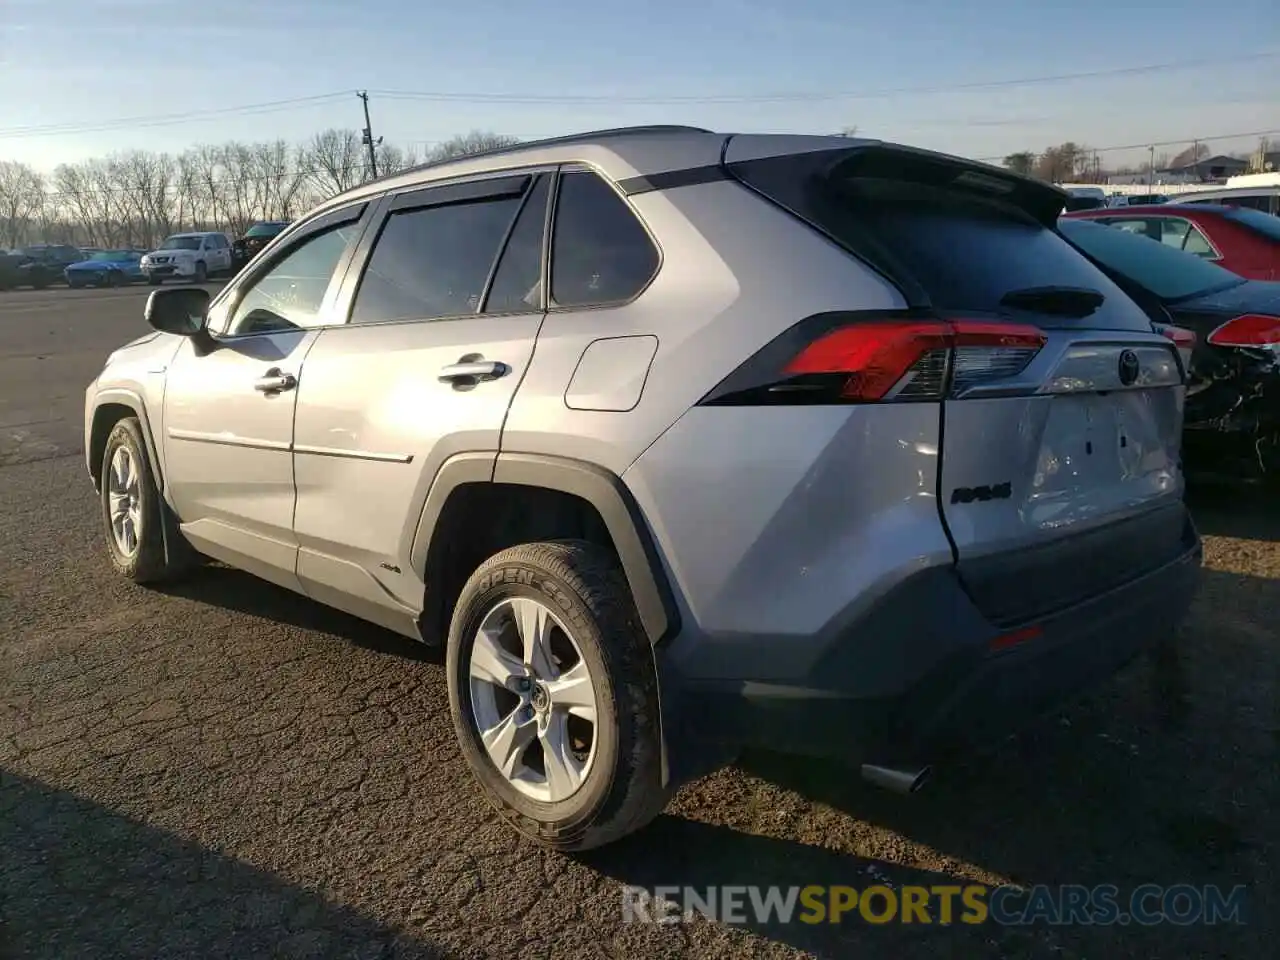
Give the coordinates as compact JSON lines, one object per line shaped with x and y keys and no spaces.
{"x":899,"y":781}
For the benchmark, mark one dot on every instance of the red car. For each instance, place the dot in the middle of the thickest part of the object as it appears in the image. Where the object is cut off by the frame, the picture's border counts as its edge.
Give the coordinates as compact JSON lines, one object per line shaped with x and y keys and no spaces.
{"x":1244,"y":241}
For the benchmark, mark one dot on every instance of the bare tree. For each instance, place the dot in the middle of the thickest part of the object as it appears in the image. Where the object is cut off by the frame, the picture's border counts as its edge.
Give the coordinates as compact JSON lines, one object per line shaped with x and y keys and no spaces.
{"x":186,"y":188}
{"x":335,"y":161}
{"x":477,"y":141}
{"x":21,"y":199}
{"x":1197,"y":151}
{"x":277,"y":168}
{"x":392,"y":159}
{"x":1023,"y":162}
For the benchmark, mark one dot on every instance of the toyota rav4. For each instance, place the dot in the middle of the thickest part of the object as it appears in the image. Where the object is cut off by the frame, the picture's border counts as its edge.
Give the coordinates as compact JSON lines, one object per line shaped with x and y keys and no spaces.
{"x":676,"y":441}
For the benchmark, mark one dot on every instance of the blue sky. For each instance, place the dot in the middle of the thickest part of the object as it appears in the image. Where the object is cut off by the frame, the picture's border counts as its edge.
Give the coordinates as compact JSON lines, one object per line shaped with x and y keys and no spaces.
{"x":78,"y":63}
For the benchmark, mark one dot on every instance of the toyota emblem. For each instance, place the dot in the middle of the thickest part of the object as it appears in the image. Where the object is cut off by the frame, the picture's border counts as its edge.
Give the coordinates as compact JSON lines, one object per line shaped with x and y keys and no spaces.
{"x":1129,"y":367}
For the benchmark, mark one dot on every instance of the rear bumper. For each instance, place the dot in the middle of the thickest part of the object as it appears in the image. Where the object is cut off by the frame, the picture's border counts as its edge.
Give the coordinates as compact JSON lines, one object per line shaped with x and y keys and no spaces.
{"x":917,"y":676}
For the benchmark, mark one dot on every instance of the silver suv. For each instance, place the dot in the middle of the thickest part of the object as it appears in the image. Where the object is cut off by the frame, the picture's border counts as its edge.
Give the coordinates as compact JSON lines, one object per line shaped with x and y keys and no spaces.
{"x":677,"y":442}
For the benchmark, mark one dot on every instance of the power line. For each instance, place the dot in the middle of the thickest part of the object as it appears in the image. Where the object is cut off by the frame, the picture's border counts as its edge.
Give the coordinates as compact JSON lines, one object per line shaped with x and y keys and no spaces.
{"x":154,"y":120}
{"x":806,"y":96}
{"x":1145,"y":144}
{"x":163,"y":119}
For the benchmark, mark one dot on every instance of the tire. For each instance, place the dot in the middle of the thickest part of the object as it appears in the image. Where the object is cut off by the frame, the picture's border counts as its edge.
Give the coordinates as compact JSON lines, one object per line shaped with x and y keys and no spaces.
{"x":149,"y":561}
{"x":154,"y":281}
{"x":202,"y":273}
{"x":585,"y":593}
{"x":113,"y":278}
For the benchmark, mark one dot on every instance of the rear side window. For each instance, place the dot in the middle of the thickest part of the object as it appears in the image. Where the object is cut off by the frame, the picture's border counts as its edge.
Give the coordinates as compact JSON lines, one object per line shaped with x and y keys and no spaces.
{"x":433,"y":262}
{"x":1256,"y":201}
{"x":600,"y":252}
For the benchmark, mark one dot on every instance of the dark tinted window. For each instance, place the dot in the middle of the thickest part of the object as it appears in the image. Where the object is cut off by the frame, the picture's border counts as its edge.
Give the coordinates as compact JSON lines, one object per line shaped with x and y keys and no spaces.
{"x":1256,"y":201}
{"x":932,"y":231}
{"x":600,"y":252}
{"x":1085,"y":203}
{"x":1169,"y":274}
{"x":264,"y":229}
{"x":433,"y":261}
{"x":289,"y":295}
{"x":516,"y":284}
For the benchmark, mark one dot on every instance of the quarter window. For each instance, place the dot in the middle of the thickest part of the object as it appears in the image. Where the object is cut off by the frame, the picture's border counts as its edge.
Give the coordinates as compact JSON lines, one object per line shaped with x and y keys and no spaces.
{"x":431,"y":262}
{"x":290,"y":294}
{"x":1173,"y":233}
{"x":600,"y":252}
{"x":1198,"y":244}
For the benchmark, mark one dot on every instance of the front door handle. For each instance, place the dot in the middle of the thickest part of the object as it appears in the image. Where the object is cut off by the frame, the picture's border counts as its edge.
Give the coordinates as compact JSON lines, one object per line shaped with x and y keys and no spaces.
{"x":473,"y":370}
{"x":275,"y":381}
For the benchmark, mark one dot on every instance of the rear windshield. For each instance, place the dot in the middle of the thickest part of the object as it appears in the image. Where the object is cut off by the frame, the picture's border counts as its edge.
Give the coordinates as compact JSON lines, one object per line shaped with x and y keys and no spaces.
{"x":1085,"y":203}
{"x":964,"y":251}
{"x":1168,"y":273}
{"x":264,"y":229}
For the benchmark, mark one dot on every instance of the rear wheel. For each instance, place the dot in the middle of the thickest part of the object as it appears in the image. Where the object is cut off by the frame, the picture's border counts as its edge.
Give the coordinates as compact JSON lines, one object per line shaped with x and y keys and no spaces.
{"x":554,"y":695}
{"x":113,"y":278}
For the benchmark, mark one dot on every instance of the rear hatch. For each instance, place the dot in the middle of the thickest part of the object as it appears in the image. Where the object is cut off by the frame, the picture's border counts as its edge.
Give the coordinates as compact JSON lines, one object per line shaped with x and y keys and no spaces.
{"x":1061,"y":408}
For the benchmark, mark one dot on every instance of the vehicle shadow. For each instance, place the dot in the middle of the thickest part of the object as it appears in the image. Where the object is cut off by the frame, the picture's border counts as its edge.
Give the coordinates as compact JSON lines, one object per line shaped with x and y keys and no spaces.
{"x":80,"y":880}
{"x":1249,"y":513}
{"x":1166,"y":774}
{"x":236,"y":590}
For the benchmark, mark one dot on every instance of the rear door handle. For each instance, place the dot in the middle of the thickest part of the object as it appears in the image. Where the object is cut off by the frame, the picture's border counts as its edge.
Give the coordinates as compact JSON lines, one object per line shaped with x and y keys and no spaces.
{"x":275,"y":381}
{"x":473,"y":370}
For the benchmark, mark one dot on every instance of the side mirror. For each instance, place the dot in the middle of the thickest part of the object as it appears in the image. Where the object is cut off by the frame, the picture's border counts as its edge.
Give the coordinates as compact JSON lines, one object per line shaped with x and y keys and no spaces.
{"x":179,"y":310}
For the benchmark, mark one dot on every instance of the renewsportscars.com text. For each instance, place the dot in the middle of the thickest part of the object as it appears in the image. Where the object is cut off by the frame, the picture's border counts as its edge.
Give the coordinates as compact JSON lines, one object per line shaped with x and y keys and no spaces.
{"x":1065,"y":905}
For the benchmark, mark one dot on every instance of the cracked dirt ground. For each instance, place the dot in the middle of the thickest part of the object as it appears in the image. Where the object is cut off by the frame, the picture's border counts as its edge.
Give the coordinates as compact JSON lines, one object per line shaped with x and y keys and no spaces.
{"x":226,"y":770}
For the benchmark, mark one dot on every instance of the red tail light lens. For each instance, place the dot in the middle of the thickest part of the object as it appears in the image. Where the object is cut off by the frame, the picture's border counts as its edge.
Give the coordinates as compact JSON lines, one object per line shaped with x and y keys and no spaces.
{"x":1250,"y":330}
{"x":1183,"y":339}
{"x":907,"y":359}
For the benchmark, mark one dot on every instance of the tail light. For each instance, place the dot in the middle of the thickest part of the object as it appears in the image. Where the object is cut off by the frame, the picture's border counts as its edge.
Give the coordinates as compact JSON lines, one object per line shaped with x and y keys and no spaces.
{"x":854,"y":359}
{"x":1183,"y":339}
{"x":1250,"y":330}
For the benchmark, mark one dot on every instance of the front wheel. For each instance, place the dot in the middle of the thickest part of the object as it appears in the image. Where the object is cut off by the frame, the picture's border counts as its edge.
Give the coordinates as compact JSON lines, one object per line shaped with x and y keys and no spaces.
{"x":554,"y":695}
{"x":202,"y":273}
{"x":153,"y":281}
{"x":113,"y":278}
{"x":133,"y":512}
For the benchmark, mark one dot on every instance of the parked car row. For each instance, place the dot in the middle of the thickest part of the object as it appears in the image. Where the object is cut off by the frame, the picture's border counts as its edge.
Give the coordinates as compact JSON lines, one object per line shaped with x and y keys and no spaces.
{"x":194,"y":256}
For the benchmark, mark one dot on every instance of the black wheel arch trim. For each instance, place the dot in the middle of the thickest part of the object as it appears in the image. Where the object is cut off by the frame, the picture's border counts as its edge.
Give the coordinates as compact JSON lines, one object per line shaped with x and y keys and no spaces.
{"x":118,"y":396}
{"x":605,"y":491}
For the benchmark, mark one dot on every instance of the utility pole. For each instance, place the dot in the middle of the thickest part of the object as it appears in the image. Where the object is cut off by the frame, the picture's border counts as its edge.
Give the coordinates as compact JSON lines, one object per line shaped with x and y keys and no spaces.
{"x":368,"y":140}
{"x":1151,"y":170}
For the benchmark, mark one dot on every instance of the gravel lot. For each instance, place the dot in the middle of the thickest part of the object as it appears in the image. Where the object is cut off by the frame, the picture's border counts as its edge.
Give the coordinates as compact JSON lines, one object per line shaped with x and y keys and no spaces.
{"x":225,"y":769}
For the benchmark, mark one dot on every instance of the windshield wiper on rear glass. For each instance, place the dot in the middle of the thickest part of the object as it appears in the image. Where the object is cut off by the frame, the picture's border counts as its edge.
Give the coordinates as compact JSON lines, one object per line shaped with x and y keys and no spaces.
{"x":1059,"y":301}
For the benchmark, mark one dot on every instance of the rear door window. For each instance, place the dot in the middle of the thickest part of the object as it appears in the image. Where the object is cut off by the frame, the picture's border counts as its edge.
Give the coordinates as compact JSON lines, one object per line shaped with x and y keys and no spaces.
{"x":517,"y":284}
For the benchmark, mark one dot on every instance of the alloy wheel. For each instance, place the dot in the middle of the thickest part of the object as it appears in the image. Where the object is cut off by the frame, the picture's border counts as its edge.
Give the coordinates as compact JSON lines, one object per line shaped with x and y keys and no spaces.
{"x":532,"y":699}
{"x":125,"y":500}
